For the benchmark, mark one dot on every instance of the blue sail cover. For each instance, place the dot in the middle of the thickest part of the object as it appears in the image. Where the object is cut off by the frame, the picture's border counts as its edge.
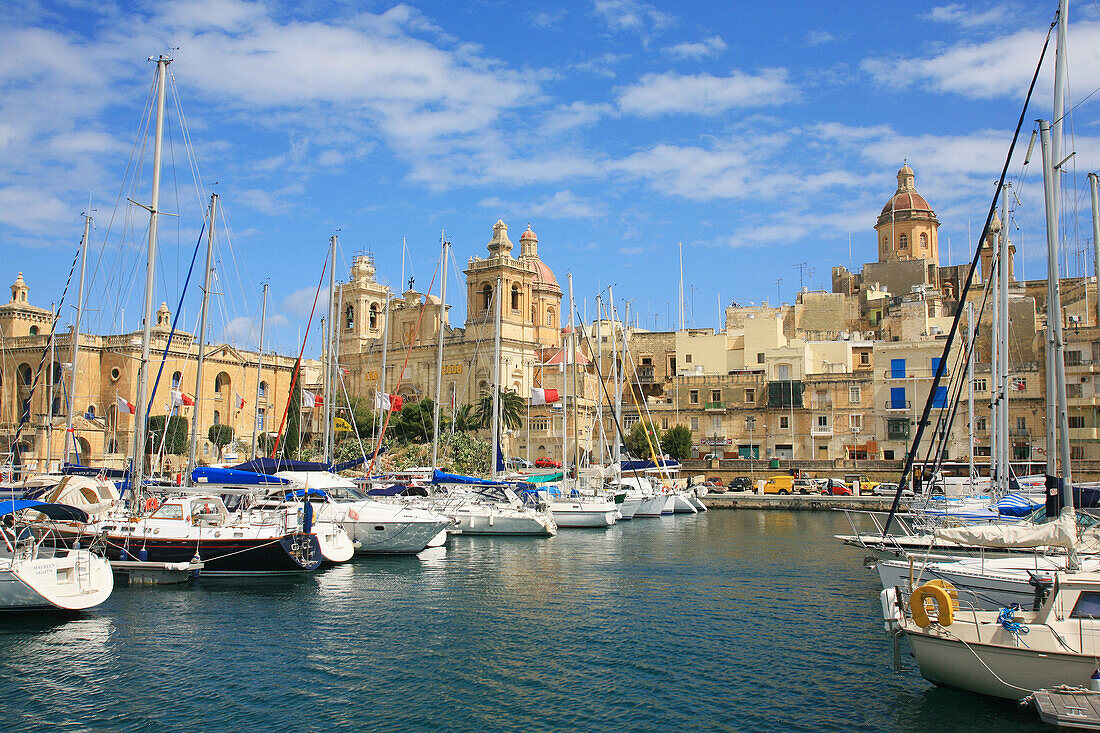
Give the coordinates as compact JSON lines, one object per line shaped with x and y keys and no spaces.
{"x":274,"y":465}
{"x":302,"y":493}
{"x":439,"y":477}
{"x":643,"y":465}
{"x":53,"y":511}
{"x":73,"y":469}
{"x":234,"y":477}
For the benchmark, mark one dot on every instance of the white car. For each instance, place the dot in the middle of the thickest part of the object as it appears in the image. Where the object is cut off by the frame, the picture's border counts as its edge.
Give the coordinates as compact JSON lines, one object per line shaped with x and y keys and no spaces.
{"x":890,"y":490}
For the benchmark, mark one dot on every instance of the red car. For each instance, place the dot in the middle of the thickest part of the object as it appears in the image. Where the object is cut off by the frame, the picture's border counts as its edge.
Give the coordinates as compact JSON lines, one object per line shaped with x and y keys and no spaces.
{"x":835,"y":487}
{"x":547,"y":463}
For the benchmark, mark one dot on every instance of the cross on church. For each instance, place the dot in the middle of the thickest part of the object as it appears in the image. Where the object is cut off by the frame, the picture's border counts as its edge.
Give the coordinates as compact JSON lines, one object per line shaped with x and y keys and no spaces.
{"x":411,"y":281}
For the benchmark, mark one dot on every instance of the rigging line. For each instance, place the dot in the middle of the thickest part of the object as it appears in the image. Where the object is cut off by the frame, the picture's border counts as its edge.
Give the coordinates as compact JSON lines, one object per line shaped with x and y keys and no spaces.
{"x":244,"y":309}
{"x":401,"y":374}
{"x":298,"y":364}
{"x":189,"y":148}
{"x":912,"y":453}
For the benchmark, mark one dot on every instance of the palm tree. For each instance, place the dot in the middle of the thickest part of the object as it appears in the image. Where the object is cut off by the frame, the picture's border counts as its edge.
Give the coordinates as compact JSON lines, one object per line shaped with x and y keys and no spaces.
{"x":466,"y":420}
{"x":511,"y":409}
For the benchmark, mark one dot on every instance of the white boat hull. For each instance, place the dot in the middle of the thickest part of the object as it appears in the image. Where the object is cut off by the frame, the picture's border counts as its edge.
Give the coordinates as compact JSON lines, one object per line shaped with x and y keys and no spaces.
{"x":682,"y":505}
{"x":336,"y":545}
{"x":630,"y":506}
{"x":584,"y":513}
{"x":670,"y":504}
{"x":989,"y":585}
{"x":493,"y":520}
{"x":652,"y":506}
{"x":72,"y":581}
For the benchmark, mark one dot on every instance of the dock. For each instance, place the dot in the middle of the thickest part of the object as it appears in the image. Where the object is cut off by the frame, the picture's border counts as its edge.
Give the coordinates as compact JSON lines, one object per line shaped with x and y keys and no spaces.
{"x":799,"y":502}
{"x":1072,"y":708}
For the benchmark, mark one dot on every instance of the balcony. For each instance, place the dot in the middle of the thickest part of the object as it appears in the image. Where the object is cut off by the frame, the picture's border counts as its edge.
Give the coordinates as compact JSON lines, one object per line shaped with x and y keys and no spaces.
{"x":714,"y":406}
{"x":821,"y":430}
{"x":898,"y":405}
{"x":928,"y":373}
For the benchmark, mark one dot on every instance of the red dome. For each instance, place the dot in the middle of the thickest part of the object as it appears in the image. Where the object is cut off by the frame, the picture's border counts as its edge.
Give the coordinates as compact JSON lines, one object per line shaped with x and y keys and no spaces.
{"x":905,"y":201}
{"x":528,"y":234}
{"x":543,"y":273}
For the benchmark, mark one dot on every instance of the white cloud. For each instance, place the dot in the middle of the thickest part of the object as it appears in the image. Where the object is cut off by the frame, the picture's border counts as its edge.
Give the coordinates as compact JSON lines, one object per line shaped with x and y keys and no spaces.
{"x":576,"y":114}
{"x":967,"y":17}
{"x":704,"y":94}
{"x":631,"y":15}
{"x":549,"y":18}
{"x":246,"y":329}
{"x":31,"y":209}
{"x":712,"y":46}
{"x":300,"y":302}
{"x":562,"y":205}
{"x":817,"y":38}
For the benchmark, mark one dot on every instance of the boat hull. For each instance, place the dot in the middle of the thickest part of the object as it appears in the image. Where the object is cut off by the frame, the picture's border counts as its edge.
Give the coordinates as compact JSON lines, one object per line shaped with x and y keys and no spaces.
{"x":73,"y":581}
{"x":505,"y":523}
{"x":652,"y":506}
{"x":583,"y":514}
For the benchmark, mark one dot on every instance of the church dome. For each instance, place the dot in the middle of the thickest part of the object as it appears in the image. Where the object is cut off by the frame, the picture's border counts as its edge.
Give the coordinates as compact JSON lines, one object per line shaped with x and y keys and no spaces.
{"x":544,"y":275}
{"x":528,"y":234}
{"x":906,"y":203}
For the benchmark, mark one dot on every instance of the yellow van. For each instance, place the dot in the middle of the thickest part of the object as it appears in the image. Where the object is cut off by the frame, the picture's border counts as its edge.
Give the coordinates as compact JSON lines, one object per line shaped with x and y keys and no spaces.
{"x":779,"y":485}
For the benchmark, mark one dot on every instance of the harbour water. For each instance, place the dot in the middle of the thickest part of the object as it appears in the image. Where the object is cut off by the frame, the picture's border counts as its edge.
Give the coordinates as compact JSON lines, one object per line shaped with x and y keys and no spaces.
{"x":730,"y":620}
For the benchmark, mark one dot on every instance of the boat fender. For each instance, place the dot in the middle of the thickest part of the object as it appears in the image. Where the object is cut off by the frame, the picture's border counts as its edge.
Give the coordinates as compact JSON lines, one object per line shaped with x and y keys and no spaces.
{"x":151,"y":504}
{"x":892,"y":616}
{"x":1094,"y":681}
{"x":944,"y":597}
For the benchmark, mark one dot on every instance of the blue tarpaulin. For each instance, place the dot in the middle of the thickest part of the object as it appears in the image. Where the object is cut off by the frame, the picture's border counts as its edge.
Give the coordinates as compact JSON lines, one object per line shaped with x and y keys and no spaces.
{"x":439,"y":477}
{"x":72,"y":469}
{"x":53,"y":511}
{"x":233,"y":477}
{"x":643,"y":465}
{"x":299,"y":493}
{"x":274,"y":465}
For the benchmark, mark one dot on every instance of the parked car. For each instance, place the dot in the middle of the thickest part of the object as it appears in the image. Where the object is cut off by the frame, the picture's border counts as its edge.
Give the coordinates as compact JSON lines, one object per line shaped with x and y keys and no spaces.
{"x":836,"y":487}
{"x":860,"y":483}
{"x":804,"y":486}
{"x":518,"y":464}
{"x":547,"y":463}
{"x":740,"y":483}
{"x":890,"y":490}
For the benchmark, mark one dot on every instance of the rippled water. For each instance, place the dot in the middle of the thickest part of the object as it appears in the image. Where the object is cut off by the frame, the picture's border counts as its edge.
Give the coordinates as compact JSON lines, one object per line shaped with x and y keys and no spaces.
{"x":731,"y":620}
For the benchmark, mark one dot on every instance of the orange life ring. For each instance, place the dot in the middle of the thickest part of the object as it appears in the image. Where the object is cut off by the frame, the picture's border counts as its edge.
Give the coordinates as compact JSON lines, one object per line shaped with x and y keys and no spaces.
{"x":942,"y":595}
{"x":151,"y":504}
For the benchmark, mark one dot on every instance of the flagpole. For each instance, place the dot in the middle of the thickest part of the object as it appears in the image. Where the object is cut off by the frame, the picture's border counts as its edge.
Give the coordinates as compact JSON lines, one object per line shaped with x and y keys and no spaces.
{"x":257,"y":426}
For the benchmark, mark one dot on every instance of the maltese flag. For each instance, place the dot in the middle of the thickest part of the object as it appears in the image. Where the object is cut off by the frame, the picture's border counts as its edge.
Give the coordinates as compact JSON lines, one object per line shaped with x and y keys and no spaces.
{"x":124,"y":406}
{"x":391,"y":402}
{"x":179,"y":398}
{"x":310,"y":400}
{"x":240,"y":401}
{"x":543,"y":396}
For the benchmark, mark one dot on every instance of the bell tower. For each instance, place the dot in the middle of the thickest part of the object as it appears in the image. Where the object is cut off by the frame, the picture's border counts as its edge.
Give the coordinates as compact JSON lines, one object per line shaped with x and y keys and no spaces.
{"x":363,"y":307}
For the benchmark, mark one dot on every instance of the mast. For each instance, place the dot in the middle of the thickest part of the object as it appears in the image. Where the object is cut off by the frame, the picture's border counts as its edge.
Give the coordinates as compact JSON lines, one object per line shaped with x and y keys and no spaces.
{"x":1005,"y":443}
{"x":600,"y":372}
{"x":382,"y":374}
{"x":1095,"y":237}
{"x":141,"y":411}
{"x":573,"y":377}
{"x":336,"y":376}
{"x":195,"y":411}
{"x":995,"y":436}
{"x":970,"y":386}
{"x":49,"y":397}
{"x":439,"y":356}
{"x":74,"y":345}
{"x":618,"y":452}
{"x":496,"y":379}
{"x":681,"y":246}
{"x":257,"y":424}
{"x":1056,"y":366}
{"x":330,"y":339}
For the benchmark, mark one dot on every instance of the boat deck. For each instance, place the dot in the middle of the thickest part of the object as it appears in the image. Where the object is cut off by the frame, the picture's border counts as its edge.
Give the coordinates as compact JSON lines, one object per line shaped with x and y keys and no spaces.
{"x":1070,"y":708}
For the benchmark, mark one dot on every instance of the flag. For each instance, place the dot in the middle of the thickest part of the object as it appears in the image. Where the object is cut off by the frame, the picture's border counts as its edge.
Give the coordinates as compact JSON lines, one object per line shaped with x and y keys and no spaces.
{"x":310,"y":400}
{"x":179,"y":398}
{"x":340,"y":425}
{"x":543,"y":396}
{"x":1018,"y":384}
{"x":240,"y":401}
{"x":124,"y":406}
{"x":345,"y":371}
{"x":391,"y":402}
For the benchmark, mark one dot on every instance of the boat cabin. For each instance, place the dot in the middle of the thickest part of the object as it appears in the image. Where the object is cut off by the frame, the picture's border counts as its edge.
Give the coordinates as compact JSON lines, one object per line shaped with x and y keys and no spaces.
{"x":201,"y":511}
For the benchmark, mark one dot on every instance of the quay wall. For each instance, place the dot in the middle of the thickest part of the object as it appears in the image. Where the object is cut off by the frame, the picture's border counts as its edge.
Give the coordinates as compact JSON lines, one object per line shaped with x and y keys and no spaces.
{"x":809,"y":503}
{"x":876,"y":470}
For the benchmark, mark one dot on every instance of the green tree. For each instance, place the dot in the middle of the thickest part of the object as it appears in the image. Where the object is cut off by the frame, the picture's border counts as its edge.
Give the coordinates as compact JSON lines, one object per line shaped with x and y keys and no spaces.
{"x":289,"y":442}
{"x":413,"y":423}
{"x":467,"y":455}
{"x":465,"y":419}
{"x":511,"y":409}
{"x":677,"y":442}
{"x":175,"y":437}
{"x":637,"y":443}
{"x":220,"y":436}
{"x":363,"y":412}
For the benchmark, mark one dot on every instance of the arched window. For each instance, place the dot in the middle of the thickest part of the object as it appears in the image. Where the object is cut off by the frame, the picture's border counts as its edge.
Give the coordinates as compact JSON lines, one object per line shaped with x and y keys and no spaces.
{"x":486,"y":296}
{"x":349,"y":315}
{"x":549,"y":316}
{"x":56,"y":375}
{"x":534,"y":316}
{"x":56,"y":407}
{"x":924,"y":241}
{"x":885,"y":244}
{"x":263,"y":389}
{"x":374,"y":315}
{"x":90,"y":412}
{"x":903,"y":241}
{"x":217,"y":418}
{"x":177,"y":377}
{"x":515,"y":297}
{"x":25,"y":375}
{"x":34,"y":330}
{"x":221,"y":382}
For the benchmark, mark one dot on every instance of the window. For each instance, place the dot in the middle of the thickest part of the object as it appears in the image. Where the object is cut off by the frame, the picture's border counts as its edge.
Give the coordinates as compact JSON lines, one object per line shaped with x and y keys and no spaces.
{"x":940,"y":398}
{"x":687,"y":358}
{"x":979,"y":424}
{"x":784,"y":372}
{"x":34,"y":330}
{"x":1077,"y":452}
{"x":784,"y":422}
{"x":935,"y":364}
{"x":715,"y":422}
{"x":515,"y":297}
{"x":823,"y":421}
{"x":888,"y":455}
{"x":177,"y":377}
{"x":760,"y":357}
{"x":897,"y":398}
{"x":885,"y":244}
{"x":1021,"y":423}
{"x":694,"y":423}
{"x":263,"y":389}
{"x":549,"y":316}
{"x":1073,"y":358}
{"x":217,"y":418}
{"x":864,"y":357}
{"x":897,"y":369}
{"x":261,"y":413}
{"x":349,"y":317}
{"x":750,"y":394}
{"x":1087,"y":606}
{"x":716,"y":395}
{"x":647,"y":361}
{"x":1077,"y":421}
{"x":903,"y":241}
{"x":856,"y":422}
{"x":169,"y":511}
{"x":693,"y":397}
{"x":487,"y":299}
{"x":980,"y":385}
{"x":897,"y":429}
{"x":923,"y":241}
{"x":855,"y":395}
{"x":664,"y":423}
{"x":90,"y":412}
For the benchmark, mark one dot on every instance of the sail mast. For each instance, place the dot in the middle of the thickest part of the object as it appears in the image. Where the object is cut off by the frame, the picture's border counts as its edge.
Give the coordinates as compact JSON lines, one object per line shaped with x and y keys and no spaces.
{"x":439,"y":355}
{"x":141,"y":411}
{"x":257,"y":424}
{"x":74,"y":345}
{"x":1003,"y":446}
{"x":195,"y":409}
{"x":496,"y":380}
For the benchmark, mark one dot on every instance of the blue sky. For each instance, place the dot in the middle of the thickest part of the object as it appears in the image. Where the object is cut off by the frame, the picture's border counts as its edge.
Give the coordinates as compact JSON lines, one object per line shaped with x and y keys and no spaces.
{"x":760,"y":135}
